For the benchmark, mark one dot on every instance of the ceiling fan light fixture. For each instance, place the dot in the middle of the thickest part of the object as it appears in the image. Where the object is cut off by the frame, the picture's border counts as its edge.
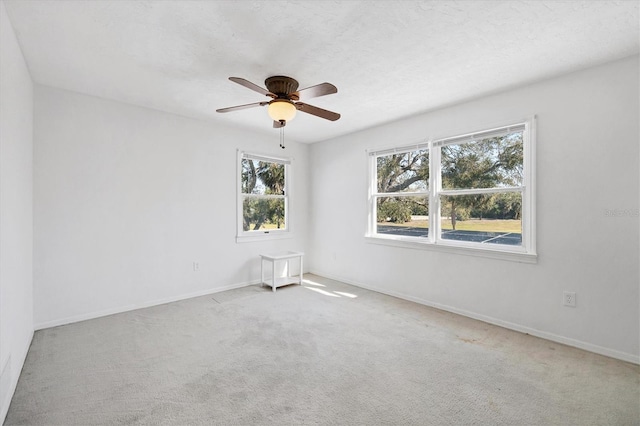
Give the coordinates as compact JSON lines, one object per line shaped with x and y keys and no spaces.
{"x":285,"y":98}
{"x":282,"y":109}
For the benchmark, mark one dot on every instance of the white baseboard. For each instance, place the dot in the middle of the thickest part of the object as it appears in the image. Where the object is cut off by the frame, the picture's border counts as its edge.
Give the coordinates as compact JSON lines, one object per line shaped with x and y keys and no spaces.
{"x":12,"y":377}
{"x":495,"y":321}
{"x":103,"y":313}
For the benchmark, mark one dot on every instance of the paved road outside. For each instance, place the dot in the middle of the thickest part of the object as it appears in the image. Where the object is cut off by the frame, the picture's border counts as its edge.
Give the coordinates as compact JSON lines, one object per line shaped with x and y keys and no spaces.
{"x":508,"y":238}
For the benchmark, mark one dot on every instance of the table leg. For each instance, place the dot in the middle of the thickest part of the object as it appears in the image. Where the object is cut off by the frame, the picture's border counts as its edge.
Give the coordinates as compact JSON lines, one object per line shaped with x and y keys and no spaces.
{"x":273,"y":275}
{"x":300,"y":270}
{"x":288,"y":270}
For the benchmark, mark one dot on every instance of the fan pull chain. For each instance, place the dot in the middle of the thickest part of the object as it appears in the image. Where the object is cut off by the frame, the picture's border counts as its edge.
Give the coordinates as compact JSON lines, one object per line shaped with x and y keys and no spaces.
{"x":282,"y":137}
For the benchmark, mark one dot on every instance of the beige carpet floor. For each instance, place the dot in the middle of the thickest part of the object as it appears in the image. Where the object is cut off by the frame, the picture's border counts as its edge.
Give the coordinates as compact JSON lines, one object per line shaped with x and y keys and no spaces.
{"x":323,"y":353}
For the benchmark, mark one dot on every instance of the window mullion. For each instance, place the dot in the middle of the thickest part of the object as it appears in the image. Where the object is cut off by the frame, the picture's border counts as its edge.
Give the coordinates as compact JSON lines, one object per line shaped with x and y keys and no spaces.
{"x":435,"y":184}
{"x":474,"y":191}
{"x":403,"y":194}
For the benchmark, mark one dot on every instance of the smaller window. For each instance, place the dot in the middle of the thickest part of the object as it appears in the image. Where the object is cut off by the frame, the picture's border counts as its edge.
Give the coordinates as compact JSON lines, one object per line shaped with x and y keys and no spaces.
{"x":263,"y":199}
{"x":402,"y":193}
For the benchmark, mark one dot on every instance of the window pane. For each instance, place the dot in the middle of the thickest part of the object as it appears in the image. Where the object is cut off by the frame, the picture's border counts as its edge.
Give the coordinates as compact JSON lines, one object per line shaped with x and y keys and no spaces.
{"x":262,"y":177}
{"x":486,"y":218}
{"x":487,"y":163}
{"x":406,"y":172}
{"x":262,"y":214}
{"x":407,"y":216}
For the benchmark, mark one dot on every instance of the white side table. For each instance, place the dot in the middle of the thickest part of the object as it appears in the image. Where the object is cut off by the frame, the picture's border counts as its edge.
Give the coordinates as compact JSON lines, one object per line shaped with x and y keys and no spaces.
{"x":275,"y":282}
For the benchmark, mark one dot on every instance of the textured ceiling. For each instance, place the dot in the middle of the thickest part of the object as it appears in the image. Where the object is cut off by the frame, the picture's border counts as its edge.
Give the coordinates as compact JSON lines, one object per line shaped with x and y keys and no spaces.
{"x":389,"y":59}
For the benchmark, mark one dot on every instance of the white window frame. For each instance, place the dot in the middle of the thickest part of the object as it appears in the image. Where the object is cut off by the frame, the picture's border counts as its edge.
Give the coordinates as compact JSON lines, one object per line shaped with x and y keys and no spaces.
{"x":271,"y":234}
{"x":522,"y":253}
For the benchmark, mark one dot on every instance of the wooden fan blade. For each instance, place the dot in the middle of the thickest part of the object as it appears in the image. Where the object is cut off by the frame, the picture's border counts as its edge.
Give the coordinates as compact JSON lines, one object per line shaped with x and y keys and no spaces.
{"x":250,"y":85}
{"x":238,"y":107}
{"x":278,"y":124}
{"x":319,"y":112}
{"x":315,"y":91}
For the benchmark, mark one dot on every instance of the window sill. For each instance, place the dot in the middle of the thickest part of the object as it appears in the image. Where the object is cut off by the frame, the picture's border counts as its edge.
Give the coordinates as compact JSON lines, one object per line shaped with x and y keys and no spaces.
{"x":264,"y":236}
{"x":492,"y":253}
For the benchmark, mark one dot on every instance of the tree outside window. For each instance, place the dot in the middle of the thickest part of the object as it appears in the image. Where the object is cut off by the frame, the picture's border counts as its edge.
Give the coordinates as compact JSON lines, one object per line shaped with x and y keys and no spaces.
{"x":495,"y":162}
{"x":402,"y":196}
{"x":263,"y":194}
{"x":466,"y":189}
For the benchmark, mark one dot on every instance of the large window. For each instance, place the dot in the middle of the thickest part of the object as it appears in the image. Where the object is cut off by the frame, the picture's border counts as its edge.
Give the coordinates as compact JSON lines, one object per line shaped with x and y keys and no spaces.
{"x":263,"y":198}
{"x":471,"y":191}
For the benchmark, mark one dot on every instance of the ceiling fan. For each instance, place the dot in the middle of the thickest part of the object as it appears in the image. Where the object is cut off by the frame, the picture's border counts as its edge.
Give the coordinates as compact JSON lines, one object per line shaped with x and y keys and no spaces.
{"x":285,"y":98}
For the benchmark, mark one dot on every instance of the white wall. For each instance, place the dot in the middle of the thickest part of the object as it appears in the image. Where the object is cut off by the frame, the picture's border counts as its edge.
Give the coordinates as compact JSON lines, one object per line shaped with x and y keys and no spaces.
{"x":16,"y":226}
{"x":127,"y":198}
{"x":587,"y":161}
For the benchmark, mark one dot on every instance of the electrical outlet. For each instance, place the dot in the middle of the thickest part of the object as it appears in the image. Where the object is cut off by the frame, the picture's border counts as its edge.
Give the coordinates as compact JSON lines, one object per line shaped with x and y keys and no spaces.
{"x":196,"y":266}
{"x":569,"y":299}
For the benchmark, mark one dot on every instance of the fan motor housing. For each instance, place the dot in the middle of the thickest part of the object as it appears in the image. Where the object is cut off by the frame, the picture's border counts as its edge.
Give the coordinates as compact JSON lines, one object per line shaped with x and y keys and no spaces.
{"x":281,"y":86}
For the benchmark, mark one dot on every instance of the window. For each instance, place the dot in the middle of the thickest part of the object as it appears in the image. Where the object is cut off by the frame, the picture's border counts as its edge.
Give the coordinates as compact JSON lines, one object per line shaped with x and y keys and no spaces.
{"x":263,"y":198}
{"x":469,"y":192}
{"x":402,"y":193}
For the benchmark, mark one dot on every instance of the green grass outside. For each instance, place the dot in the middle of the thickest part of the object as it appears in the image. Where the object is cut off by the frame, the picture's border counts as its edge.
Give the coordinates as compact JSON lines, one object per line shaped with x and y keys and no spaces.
{"x":268,"y":226}
{"x":486,"y":225}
